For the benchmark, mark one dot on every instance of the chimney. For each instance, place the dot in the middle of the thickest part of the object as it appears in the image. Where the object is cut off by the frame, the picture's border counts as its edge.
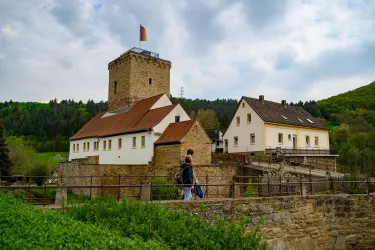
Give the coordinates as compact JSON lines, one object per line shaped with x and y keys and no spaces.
{"x":261,"y":98}
{"x":283,"y":102}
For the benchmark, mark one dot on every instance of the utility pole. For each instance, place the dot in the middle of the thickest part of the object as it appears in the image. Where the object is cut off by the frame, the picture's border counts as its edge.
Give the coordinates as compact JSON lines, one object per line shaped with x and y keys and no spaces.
{"x":182,"y":92}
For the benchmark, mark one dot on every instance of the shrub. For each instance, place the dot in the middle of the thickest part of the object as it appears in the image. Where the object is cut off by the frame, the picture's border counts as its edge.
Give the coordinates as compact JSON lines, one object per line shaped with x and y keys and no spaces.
{"x":251,"y":191}
{"x":40,"y":170}
{"x":164,"y":193}
{"x":177,"y":229}
{"x":24,"y":227}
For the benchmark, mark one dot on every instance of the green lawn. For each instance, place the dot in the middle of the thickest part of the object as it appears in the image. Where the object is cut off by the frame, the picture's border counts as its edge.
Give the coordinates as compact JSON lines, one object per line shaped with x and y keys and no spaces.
{"x":52,"y":158}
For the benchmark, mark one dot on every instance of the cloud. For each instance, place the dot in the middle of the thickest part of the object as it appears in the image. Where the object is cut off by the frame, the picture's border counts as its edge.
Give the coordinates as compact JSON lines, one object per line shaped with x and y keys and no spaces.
{"x":219,"y":49}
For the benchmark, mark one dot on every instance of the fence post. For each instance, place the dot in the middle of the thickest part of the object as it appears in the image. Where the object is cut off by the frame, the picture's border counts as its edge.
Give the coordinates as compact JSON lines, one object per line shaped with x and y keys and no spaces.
{"x":146,"y":191}
{"x":29,"y":191}
{"x":368,"y":185}
{"x":90,"y":187}
{"x":206,"y":194}
{"x":44,"y":196}
{"x":118,"y":194}
{"x":101,"y":190}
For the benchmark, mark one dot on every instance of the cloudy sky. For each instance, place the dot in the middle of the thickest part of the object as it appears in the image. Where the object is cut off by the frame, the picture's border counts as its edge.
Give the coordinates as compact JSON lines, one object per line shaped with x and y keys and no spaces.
{"x":293,"y":50}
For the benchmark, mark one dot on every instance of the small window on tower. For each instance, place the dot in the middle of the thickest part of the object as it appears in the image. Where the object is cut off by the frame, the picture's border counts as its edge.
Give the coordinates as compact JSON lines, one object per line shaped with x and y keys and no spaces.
{"x":150,"y":81}
{"x":115,"y":87}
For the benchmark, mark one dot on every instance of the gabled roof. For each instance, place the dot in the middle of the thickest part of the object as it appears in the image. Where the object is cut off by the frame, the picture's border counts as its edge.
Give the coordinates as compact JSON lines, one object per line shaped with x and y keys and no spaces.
{"x":175,"y":132}
{"x":214,"y":135}
{"x":283,"y":114}
{"x":137,"y":118}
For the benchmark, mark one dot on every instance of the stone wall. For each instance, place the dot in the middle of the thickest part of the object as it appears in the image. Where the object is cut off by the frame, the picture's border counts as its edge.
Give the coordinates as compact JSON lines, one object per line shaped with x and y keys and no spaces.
{"x":132,"y":72}
{"x":109,"y":176}
{"x":167,"y":154}
{"x":197,"y":140}
{"x":312,"y":222}
{"x":326,"y":163}
{"x":135,"y":175}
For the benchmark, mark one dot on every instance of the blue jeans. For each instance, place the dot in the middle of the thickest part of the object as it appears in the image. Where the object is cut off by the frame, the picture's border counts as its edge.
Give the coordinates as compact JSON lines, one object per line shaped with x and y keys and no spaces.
{"x":187,"y":193}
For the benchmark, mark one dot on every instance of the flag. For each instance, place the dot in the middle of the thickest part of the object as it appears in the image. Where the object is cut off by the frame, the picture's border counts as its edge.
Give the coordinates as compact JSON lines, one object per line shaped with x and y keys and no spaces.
{"x":143,"y":35}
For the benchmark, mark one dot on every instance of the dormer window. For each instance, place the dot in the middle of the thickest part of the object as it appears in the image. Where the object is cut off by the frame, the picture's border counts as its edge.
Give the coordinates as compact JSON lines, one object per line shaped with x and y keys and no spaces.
{"x":283,"y":116}
{"x":299,"y":120}
{"x":309,"y":120}
{"x":115,"y":88}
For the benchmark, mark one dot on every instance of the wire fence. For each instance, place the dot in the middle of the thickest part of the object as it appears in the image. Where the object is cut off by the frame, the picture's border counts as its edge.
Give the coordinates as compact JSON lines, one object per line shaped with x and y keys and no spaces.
{"x":145,"y":187}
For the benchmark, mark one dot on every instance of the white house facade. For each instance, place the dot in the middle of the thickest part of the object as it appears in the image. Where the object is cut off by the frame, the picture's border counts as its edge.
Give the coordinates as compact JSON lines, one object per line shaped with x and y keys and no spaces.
{"x":259,"y":125}
{"x":127,"y":137}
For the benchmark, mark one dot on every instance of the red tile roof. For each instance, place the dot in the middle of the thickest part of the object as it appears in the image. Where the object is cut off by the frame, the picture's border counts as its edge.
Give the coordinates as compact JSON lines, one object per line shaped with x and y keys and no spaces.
{"x":175,"y":132}
{"x":139,"y":117}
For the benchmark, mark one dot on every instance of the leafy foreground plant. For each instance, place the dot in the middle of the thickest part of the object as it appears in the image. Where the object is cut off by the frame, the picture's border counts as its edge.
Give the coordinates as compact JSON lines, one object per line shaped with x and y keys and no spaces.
{"x":24,"y":227}
{"x":178,"y":230}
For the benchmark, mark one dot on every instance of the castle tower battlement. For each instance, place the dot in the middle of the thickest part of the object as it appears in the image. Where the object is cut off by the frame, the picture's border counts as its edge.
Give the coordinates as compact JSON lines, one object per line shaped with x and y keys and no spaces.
{"x":135,"y":75}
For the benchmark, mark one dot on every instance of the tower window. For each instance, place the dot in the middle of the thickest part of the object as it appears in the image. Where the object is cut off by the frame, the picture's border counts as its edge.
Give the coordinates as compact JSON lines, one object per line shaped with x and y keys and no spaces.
{"x":115,"y":90}
{"x":150,"y":81}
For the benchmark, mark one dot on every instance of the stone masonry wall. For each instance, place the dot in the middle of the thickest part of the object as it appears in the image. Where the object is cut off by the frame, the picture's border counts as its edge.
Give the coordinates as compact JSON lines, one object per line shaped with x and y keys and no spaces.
{"x":312,"y":222}
{"x":167,"y":154}
{"x":197,"y":140}
{"x":326,"y":163}
{"x":206,"y":174}
{"x":132,"y":72}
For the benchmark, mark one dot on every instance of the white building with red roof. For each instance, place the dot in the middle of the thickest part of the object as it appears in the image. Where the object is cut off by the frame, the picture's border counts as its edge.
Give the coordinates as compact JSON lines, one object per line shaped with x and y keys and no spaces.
{"x":139,"y":113}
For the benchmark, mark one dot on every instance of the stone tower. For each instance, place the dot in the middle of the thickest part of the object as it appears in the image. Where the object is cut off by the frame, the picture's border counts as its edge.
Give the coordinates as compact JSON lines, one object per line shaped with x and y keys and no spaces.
{"x":135,"y":75}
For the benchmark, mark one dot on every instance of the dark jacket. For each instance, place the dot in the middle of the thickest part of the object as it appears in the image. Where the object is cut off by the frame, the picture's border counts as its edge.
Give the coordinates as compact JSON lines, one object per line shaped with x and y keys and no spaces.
{"x":187,"y":174}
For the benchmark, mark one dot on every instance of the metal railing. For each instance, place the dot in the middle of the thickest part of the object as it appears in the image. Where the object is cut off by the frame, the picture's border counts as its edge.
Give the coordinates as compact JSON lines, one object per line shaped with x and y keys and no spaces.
{"x":240,"y":186}
{"x":301,"y":151}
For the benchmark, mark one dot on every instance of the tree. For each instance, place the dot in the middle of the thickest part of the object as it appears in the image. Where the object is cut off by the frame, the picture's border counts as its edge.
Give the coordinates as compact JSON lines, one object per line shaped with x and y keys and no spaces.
{"x":207,"y":118}
{"x":5,"y":162}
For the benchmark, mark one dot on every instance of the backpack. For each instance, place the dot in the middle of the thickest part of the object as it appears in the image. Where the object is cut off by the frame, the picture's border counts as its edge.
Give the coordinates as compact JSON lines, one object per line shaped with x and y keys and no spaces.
{"x":178,"y":178}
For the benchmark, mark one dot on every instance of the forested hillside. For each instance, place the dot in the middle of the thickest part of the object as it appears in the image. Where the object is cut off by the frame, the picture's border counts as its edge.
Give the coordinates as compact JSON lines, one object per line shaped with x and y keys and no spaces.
{"x":350,"y":117}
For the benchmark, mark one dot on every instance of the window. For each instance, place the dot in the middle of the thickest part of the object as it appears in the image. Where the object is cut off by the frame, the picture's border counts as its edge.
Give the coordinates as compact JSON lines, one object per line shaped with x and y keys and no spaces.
{"x":289,"y":137}
{"x":96,"y":145}
{"x":307,"y":140}
{"x":177,"y":118}
{"x":109,"y":144}
{"x":150,"y":81}
{"x":217,"y":143}
{"x":299,"y":120}
{"x":134,"y":142}
{"x":283,"y":116}
{"x":74,"y":148}
{"x":115,"y":88}
{"x":248,"y":118}
{"x":236,"y":141}
{"x":316,"y":141}
{"x":119,"y":143}
{"x":77,"y":147}
{"x":143,"y":141}
{"x":281,"y":139}
{"x":252,"y":138}
{"x":104,"y":145}
{"x":243,"y":104}
{"x":309,"y":120}
{"x":88,"y":146}
{"x":84,"y":146}
{"x":238,"y":121}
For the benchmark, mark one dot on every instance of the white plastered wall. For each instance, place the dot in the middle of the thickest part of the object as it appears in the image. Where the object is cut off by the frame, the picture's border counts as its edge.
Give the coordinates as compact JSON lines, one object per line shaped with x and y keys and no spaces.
{"x":244,"y":130}
{"x":272,"y":139}
{"x":162,"y":102}
{"x":170,"y":118}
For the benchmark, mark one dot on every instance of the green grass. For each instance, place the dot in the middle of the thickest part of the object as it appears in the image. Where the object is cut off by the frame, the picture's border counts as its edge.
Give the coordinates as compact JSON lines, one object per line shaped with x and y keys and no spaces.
{"x":51,"y":158}
{"x":25,"y":227}
{"x":176,"y":229}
